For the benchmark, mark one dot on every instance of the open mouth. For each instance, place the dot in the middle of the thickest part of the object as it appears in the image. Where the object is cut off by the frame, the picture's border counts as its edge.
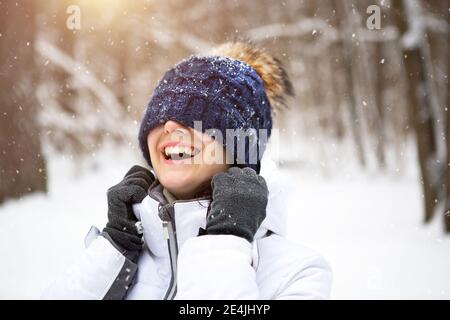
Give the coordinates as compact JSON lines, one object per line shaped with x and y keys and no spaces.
{"x":180,"y":152}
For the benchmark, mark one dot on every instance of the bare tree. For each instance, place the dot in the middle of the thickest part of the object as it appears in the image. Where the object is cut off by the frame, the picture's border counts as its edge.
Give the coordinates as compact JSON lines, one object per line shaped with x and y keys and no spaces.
{"x":427,"y":111}
{"x":22,"y":163}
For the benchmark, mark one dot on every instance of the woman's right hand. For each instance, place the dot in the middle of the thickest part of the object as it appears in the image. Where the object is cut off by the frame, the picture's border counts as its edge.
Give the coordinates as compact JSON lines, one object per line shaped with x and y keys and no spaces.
{"x":122,"y":225}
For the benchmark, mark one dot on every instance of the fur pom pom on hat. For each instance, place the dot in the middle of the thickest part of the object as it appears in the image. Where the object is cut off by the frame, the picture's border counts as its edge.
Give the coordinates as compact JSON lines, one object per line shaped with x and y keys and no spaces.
{"x":276,"y":81}
{"x":233,"y":87}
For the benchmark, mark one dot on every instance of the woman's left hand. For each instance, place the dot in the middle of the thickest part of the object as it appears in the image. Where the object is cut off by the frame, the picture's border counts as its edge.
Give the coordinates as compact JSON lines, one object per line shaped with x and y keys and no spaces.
{"x":238,"y":204}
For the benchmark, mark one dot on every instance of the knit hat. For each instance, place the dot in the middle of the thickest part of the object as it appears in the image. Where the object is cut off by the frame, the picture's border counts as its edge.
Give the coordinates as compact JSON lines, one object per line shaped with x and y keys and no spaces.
{"x":234,"y":88}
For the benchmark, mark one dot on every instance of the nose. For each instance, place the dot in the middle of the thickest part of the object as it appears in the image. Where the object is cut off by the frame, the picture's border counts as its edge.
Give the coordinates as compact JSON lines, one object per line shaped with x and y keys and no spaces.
{"x":175,"y":127}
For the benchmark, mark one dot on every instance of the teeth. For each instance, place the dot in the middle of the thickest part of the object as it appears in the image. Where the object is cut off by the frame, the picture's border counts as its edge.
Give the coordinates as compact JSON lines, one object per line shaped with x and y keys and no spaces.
{"x":177,"y":150}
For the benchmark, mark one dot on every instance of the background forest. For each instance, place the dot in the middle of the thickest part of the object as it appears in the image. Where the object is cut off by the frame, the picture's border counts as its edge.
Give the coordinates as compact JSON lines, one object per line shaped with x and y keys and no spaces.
{"x":366,"y":136}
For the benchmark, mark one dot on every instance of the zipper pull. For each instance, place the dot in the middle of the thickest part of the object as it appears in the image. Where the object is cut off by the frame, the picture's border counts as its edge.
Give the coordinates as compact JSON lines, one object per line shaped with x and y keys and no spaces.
{"x":165,"y":225}
{"x":164,"y":213}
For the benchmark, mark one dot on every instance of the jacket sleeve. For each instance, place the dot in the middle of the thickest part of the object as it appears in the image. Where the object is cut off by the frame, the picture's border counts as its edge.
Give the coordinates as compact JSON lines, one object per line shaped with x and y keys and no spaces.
{"x":309,"y":279}
{"x":220,"y":267}
{"x":101,"y":272}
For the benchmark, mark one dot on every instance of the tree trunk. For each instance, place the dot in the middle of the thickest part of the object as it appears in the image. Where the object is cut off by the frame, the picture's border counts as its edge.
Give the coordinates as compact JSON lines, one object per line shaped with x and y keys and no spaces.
{"x":447,"y":111}
{"x":419,"y":94}
{"x":348,"y":54}
{"x":22,"y":164}
{"x":422,"y":126}
{"x":379,"y":106}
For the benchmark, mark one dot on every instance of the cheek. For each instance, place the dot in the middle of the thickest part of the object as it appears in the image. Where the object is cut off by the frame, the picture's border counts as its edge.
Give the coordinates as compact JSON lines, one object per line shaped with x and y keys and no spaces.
{"x":214,"y":154}
{"x":214,"y":160}
{"x":152,"y":143}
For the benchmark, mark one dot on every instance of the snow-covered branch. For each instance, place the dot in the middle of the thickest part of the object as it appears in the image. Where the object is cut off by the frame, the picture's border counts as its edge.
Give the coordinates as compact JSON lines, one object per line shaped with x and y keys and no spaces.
{"x":389,"y":33}
{"x":303,"y":27}
{"x":328,"y":34}
{"x":82,"y":74}
{"x":90,"y":119}
{"x":436,"y":24}
{"x":416,"y":27}
{"x":189,"y":41}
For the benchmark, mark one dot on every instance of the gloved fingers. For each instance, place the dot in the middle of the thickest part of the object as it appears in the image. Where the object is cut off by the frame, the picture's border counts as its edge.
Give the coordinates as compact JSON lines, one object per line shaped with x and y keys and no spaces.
{"x":251,"y":174}
{"x":120,"y":202}
{"x":121,"y":223}
{"x":235,"y":171}
{"x":135,"y":194}
{"x":262,"y":181}
{"x":148,"y":177}
{"x":127,"y":241}
{"x":222,"y":178}
{"x":258,"y":180}
{"x":226,"y":176}
{"x":134,"y":169}
{"x":134,"y":173}
{"x":249,"y":171}
{"x":141,"y":175}
{"x":241,"y":173}
{"x":141,"y":172}
{"x":243,"y":181}
{"x":127,"y":195}
{"x":140,"y":182}
{"x":117,"y":208}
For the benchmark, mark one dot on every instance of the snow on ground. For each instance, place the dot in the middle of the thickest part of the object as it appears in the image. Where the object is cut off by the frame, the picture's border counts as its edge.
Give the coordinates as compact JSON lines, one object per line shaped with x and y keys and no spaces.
{"x":41,"y":234}
{"x":371,"y":233}
{"x":368,"y":226}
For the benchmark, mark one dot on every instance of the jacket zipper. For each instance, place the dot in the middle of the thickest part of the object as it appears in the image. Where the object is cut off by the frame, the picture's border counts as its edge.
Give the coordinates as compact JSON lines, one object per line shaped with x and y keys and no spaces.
{"x":169,"y":230}
{"x":170,"y":237}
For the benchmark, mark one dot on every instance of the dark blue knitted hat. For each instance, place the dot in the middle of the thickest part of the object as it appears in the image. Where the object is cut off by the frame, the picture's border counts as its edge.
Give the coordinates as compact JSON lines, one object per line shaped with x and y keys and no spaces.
{"x":223,"y":91}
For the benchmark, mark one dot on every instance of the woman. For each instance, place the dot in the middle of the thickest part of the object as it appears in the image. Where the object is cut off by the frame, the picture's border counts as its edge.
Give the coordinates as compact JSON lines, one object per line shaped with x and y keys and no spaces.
{"x":205,"y":224}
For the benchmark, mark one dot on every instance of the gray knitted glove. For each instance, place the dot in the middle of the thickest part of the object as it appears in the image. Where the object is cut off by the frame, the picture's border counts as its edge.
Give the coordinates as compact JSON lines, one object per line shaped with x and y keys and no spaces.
{"x":121,"y":226}
{"x":238,"y":204}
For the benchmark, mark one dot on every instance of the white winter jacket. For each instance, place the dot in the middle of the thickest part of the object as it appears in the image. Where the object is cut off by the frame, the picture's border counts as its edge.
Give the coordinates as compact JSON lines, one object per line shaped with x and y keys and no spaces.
{"x":177,"y":264}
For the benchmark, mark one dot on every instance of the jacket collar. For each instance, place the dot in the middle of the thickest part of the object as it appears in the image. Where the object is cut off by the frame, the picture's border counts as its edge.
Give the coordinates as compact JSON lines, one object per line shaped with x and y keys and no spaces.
{"x":190,"y":215}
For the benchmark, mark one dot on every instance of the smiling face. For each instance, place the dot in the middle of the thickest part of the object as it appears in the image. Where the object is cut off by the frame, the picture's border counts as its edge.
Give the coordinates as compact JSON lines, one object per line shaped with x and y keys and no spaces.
{"x":184,"y":159}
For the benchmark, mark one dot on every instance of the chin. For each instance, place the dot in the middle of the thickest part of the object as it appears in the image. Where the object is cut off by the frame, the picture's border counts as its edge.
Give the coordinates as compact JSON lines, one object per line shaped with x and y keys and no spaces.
{"x":175,"y":179}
